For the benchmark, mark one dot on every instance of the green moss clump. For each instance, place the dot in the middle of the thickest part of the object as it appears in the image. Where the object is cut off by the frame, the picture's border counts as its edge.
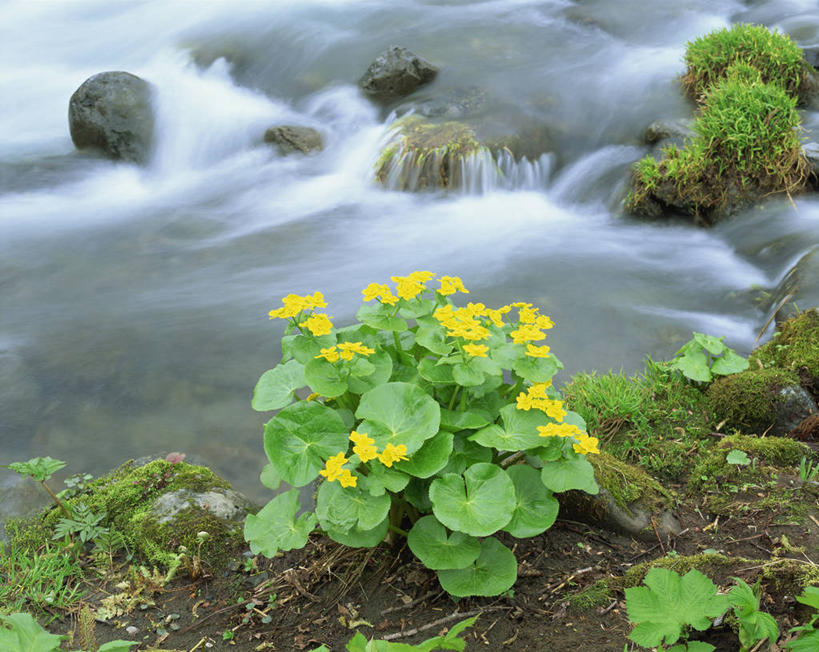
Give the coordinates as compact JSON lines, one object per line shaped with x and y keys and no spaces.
{"x":775,"y":57}
{"x":425,"y":154}
{"x":795,"y":348}
{"x":718,"y":567}
{"x":126,"y":495}
{"x":747,"y":401}
{"x":746,"y":146}
{"x":651,"y":419}
{"x":598,"y":594}
{"x":629,"y":484}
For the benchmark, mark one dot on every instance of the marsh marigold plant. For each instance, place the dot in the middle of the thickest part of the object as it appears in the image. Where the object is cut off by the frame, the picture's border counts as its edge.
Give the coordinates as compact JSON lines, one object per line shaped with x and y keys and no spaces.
{"x":425,"y":420}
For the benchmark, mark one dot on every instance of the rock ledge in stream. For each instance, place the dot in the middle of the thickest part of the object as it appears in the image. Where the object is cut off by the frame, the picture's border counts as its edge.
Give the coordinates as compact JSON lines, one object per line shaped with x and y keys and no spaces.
{"x":112,"y":111}
{"x":396,"y":72}
{"x":289,"y":139}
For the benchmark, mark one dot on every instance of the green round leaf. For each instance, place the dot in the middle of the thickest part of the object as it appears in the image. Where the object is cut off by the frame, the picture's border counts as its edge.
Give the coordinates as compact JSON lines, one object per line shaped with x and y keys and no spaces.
{"x":300,"y":438}
{"x":380,"y":316}
{"x":693,"y":365}
{"x":401,"y":413}
{"x":305,"y":347}
{"x":432,"y":336}
{"x":381,"y":479}
{"x":382,"y":370}
{"x":276,"y":528}
{"x":464,"y":454}
{"x":431,"y":371}
{"x":430,"y":458}
{"x":518,"y":433}
{"x":269,"y":477}
{"x":479,"y":502}
{"x":467,"y":374}
{"x":276,"y":387}
{"x":493,"y":572}
{"x":714,"y":345}
{"x":325,"y":377}
{"x":572,"y":473}
{"x":345,"y":508}
{"x":453,"y":420}
{"x":730,"y":363}
{"x":429,"y":542}
{"x":358,"y":538}
{"x":536,"y":508}
{"x":537,"y":370}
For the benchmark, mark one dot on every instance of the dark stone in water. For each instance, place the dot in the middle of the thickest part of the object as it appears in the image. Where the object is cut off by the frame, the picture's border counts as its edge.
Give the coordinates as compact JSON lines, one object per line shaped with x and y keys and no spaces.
{"x":396,"y":72}
{"x":112,"y":111}
{"x":289,"y":139}
{"x":668,"y":131}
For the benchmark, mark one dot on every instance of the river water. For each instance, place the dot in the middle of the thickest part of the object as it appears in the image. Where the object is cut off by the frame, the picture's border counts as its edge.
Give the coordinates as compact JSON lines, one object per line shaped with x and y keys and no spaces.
{"x":133,"y":301}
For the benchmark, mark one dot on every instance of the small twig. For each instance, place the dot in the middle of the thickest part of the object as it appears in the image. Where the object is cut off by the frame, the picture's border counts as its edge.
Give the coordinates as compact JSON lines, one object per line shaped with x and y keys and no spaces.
{"x":787,"y":298}
{"x":609,"y":608}
{"x":201,"y":641}
{"x":435,"y":623}
{"x":571,"y":577}
{"x":409,"y":605}
{"x":645,"y":552}
{"x":654,"y":525}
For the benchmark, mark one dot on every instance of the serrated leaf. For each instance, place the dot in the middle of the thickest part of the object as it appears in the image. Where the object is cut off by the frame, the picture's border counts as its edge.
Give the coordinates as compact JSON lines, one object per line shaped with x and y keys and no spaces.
{"x":668,"y":603}
{"x":276,"y":388}
{"x":738,"y":457}
{"x":39,"y":468}
{"x":275,"y":526}
{"x":26,"y":635}
{"x":810,"y":597}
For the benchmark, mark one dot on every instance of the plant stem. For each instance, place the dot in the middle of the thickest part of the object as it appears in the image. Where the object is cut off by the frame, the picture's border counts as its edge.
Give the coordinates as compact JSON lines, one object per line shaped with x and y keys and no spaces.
{"x":60,"y":503}
{"x":397,"y":530}
{"x":452,"y":398}
{"x":397,"y":341}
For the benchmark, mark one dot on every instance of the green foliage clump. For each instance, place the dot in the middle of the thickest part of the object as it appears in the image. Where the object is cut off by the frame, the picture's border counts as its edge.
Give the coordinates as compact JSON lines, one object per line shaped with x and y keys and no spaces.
{"x":19,"y":632}
{"x":426,"y":420}
{"x":795,"y":347}
{"x":747,"y":401}
{"x":651,"y":418}
{"x":774,"y":56}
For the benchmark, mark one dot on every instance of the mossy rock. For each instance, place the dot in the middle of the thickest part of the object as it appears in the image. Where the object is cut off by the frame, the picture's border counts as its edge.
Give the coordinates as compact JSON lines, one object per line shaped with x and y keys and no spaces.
{"x":759,"y":401}
{"x":423,"y":154}
{"x":137,"y":503}
{"x":795,"y":348}
{"x":629,"y":501}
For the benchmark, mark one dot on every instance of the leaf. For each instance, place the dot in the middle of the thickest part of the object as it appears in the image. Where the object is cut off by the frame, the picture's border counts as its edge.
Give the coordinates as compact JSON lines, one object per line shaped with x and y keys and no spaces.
{"x":26,"y":635}
{"x":380,"y":316}
{"x":536,"y":508}
{"x":754,"y":625}
{"x":572,"y":473}
{"x":275,"y":526}
{"x":432,"y":336}
{"x":806,"y":643}
{"x":471,"y":420}
{"x":399,"y":413}
{"x":39,"y":468}
{"x":730,"y":363}
{"x":467,"y":374}
{"x":519,"y":430}
{"x":694,"y":366}
{"x":537,"y":370}
{"x":305,"y":347}
{"x":325,"y":377}
{"x":479,"y":502}
{"x":692,"y":646}
{"x":810,"y":597}
{"x":430,"y":458}
{"x":382,"y":363}
{"x":269,"y":477}
{"x":116,"y":646}
{"x":344,"y":508}
{"x":276,"y":388}
{"x":431,"y":371}
{"x":493,"y":572}
{"x":667,"y":603}
{"x":738,"y":457}
{"x":429,"y":541}
{"x":300,"y":438}
{"x":358,"y":538}
{"x":465,"y":453}
{"x":714,"y":345}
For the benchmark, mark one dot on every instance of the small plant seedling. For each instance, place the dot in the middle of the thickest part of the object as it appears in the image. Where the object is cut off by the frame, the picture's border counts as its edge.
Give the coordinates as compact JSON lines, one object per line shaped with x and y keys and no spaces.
{"x":754,"y":625}
{"x":41,"y":469}
{"x":808,"y":471}
{"x":84,"y":522}
{"x":808,"y":640}
{"x":738,"y":458}
{"x":705,"y":356}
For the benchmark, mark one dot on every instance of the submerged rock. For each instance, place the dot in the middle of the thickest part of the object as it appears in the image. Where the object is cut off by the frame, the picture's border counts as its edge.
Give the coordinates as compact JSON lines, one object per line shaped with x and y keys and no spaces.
{"x":666,"y":132}
{"x":112,"y":111}
{"x":290,"y":138}
{"x":396,"y":72}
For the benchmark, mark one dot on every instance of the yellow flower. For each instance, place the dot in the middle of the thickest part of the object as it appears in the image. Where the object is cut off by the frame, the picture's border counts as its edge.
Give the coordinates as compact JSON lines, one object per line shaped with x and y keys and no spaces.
{"x":544,"y":321}
{"x":363,"y":446}
{"x":316,"y":300}
{"x":331,"y":355}
{"x":421,"y":277}
{"x":347,"y":479}
{"x":355,"y":347}
{"x":313,"y":396}
{"x":496,"y":316}
{"x":559,"y":430}
{"x":444,"y":314}
{"x":319,"y":324}
{"x":393,"y":454}
{"x":527,"y":314}
{"x":293,"y":305}
{"x":524,"y":401}
{"x":374,"y":290}
{"x":526,"y":333}
{"x":553,"y":408}
{"x":476,"y":350}
{"x":585,"y":444}
{"x":346,"y":354}
{"x":538,"y":390}
{"x":406,"y":287}
{"x":451,"y":285}
{"x":537,"y":351}
{"x":332,"y":467}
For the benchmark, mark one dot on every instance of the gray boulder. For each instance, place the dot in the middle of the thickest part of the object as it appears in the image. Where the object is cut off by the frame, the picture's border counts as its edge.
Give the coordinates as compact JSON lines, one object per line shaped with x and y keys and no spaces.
{"x":112,"y":111}
{"x":289,"y":139}
{"x":396,"y":72}
{"x":793,"y":405}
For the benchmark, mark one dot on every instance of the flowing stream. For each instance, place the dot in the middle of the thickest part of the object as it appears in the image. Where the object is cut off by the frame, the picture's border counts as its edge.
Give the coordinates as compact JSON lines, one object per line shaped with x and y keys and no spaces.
{"x":134,"y":300}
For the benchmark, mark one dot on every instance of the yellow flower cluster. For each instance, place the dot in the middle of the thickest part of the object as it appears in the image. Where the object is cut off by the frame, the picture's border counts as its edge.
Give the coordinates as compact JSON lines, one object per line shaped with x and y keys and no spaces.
{"x":333,"y":471}
{"x":536,"y":398}
{"x":345,"y":351}
{"x":381,"y":292}
{"x":319,"y":324}
{"x":476,"y":350}
{"x":410,"y":286}
{"x":294,"y":304}
{"x":585,"y":444}
{"x":364,"y":447}
{"x":463,"y":322}
{"x":451,"y":285}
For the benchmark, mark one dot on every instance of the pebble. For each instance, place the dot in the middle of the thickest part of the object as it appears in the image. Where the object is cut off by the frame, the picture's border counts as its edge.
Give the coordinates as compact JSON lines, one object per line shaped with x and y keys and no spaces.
{"x":131,"y":630}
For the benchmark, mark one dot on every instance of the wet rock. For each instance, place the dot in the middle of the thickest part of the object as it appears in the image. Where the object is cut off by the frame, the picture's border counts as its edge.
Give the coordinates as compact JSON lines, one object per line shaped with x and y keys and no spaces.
{"x":811,"y":151}
{"x":630,"y":501}
{"x":112,"y":111}
{"x":289,"y":139}
{"x":793,"y":405}
{"x":665,"y":132}
{"x":225,"y":504}
{"x":811,"y":54}
{"x":396,"y":72}
{"x":452,"y":104}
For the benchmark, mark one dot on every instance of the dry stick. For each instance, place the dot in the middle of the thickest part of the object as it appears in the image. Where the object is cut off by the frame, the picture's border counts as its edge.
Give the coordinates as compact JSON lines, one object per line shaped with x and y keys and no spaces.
{"x":409,"y":605}
{"x":201,"y":641}
{"x":609,"y":608}
{"x":653,"y":525}
{"x":453,"y":616}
